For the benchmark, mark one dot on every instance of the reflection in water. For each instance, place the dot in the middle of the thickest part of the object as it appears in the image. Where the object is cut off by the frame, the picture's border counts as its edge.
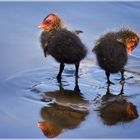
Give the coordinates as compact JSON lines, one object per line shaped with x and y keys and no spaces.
{"x":116,"y":108}
{"x":72,"y":98}
{"x":64,"y":113}
{"x":57,"y":118}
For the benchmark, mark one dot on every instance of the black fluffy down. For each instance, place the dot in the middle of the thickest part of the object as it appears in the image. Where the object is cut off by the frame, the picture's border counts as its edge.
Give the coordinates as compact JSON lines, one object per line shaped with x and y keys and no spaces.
{"x":65,"y":46}
{"x":111,"y":54}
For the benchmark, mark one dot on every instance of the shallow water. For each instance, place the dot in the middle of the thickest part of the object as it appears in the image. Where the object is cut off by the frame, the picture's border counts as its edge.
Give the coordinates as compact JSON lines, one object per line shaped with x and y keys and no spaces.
{"x":31,"y":97}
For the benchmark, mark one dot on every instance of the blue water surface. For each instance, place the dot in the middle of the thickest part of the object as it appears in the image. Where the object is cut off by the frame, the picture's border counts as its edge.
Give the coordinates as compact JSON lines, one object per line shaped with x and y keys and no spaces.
{"x":26,"y":76}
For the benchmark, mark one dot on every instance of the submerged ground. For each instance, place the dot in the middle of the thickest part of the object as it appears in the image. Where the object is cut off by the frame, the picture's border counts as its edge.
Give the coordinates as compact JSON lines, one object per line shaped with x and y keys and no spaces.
{"x":31,"y":97}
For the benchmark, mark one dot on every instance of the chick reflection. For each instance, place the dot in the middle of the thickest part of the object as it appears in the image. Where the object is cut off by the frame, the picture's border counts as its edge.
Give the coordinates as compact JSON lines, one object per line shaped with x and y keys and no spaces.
{"x":64,"y":113}
{"x":116,"y":108}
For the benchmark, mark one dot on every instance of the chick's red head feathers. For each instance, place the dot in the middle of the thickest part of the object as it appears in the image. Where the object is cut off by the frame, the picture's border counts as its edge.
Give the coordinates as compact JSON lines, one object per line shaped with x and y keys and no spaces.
{"x":52,"y":21}
{"x":132,"y":43}
{"x":129,"y":38}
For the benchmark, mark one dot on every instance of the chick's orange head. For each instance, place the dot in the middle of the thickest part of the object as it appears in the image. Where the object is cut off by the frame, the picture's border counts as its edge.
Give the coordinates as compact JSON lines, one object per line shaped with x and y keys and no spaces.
{"x":52,"y":21}
{"x":132,"y":43}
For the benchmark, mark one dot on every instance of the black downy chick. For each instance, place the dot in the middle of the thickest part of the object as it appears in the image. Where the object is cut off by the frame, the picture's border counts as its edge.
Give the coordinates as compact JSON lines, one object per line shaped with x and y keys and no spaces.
{"x":65,"y":46}
{"x":112,"y":50}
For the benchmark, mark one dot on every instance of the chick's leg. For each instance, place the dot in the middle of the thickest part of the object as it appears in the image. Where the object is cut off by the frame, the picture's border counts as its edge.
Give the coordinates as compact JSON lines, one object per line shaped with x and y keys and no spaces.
{"x":60,"y":71}
{"x":108,"y":80}
{"x":77,"y":69}
{"x":122,"y":74}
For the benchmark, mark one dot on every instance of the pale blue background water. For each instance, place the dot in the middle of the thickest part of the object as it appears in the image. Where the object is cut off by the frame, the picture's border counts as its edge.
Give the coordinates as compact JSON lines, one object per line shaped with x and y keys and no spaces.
{"x":23,"y":64}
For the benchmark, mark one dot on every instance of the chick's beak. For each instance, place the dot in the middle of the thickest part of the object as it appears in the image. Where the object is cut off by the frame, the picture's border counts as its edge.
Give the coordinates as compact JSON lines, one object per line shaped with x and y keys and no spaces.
{"x":42,"y":25}
{"x":130,"y":52}
{"x":42,"y":125}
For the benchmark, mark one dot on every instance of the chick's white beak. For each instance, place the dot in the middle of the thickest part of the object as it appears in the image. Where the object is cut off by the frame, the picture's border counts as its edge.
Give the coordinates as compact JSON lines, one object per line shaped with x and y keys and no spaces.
{"x":129,"y":52}
{"x":41,"y":26}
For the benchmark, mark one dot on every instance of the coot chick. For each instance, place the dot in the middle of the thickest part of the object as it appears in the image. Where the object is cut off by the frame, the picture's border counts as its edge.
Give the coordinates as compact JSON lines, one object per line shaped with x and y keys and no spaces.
{"x":112,"y":50}
{"x":65,"y":46}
